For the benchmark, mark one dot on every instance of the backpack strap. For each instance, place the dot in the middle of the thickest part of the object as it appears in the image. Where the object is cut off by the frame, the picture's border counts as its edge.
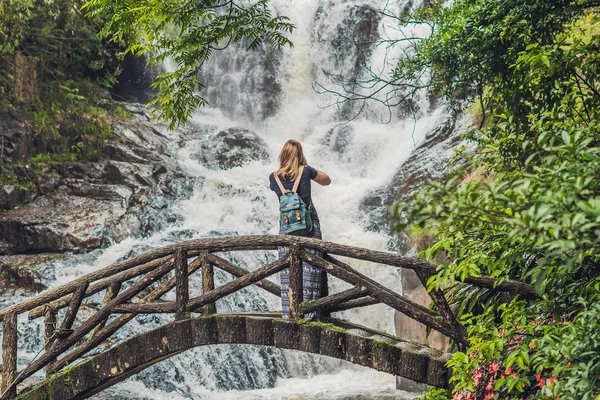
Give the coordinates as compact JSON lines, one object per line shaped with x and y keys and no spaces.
{"x":298,"y":178}
{"x":296,"y":182}
{"x":283,"y":190}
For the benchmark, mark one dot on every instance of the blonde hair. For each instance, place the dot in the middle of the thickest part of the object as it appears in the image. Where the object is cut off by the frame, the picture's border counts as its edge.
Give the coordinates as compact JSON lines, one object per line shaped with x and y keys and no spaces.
{"x":290,"y":159}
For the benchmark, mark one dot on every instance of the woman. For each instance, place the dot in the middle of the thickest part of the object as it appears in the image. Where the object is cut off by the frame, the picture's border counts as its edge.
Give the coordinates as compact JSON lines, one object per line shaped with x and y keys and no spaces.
{"x":291,"y":159}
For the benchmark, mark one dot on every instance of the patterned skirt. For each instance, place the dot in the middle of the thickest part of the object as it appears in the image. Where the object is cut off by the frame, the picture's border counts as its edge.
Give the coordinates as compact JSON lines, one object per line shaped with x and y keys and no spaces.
{"x":311,"y":277}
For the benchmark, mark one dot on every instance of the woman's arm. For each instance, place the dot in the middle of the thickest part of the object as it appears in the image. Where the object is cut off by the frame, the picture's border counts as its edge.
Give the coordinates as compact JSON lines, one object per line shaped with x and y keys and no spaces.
{"x":322,"y":178}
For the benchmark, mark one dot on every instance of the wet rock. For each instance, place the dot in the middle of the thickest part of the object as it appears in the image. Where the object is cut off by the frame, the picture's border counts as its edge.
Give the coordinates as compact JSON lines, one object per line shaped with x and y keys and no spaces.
{"x":48,"y":182}
{"x":18,"y":141}
{"x":103,"y":94}
{"x":158,"y":170}
{"x":113,"y":174}
{"x":135,"y":80}
{"x":23,"y":271}
{"x":10,"y":196}
{"x":234,"y":147}
{"x":428,"y":162}
{"x":120,"y":152}
{"x":85,"y":206}
{"x":351,"y":44}
{"x":415,"y":331}
{"x":339,"y":138}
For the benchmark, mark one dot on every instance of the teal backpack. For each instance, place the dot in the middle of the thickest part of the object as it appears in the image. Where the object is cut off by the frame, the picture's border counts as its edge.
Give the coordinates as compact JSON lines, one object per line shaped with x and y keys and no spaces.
{"x":295,"y":219}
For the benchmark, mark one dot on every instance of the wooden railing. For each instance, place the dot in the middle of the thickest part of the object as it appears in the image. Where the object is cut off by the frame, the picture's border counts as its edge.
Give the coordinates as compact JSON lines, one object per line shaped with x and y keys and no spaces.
{"x":154,"y":279}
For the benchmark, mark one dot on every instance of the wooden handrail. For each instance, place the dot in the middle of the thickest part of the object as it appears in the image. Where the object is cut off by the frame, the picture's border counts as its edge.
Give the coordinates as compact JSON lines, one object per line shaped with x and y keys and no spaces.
{"x":263,"y":242}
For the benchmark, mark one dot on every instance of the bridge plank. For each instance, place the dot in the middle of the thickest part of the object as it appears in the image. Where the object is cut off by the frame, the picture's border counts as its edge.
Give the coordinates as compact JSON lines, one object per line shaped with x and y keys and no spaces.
{"x":286,"y":334}
{"x":333,"y":342}
{"x":413,"y":362}
{"x":386,"y":357}
{"x":260,"y":331}
{"x":310,"y":338}
{"x":358,"y":349}
{"x":204,"y":331}
{"x":416,"y":362}
{"x":231,"y":329}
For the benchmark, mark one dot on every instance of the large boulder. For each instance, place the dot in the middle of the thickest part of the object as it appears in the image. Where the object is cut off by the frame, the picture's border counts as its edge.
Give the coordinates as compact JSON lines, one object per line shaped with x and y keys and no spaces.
{"x":234,"y":147}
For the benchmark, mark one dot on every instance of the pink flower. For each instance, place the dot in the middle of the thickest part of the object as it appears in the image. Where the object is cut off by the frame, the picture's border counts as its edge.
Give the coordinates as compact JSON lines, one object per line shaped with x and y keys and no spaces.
{"x":494,"y":367}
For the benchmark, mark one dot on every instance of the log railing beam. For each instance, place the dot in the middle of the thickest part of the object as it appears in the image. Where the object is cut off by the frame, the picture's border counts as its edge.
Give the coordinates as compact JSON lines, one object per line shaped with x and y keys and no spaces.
{"x":325,"y":303}
{"x":265,"y":242}
{"x":67,"y":324}
{"x":111,"y":293}
{"x":49,"y":329}
{"x":238,"y":272}
{"x":64,"y":301}
{"x":364,"y":302}
{"x":443,"y":308}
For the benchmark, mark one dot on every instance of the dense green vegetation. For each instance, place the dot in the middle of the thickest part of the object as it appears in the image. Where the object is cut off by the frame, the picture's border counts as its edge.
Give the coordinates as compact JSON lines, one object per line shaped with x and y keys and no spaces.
{"x":52,"y":65}
{"x":187,"y":33}
{"x":526,"y":206}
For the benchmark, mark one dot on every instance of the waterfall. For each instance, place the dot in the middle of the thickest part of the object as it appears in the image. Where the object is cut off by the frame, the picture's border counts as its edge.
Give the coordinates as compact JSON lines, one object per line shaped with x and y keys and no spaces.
{"x":271,"y":94}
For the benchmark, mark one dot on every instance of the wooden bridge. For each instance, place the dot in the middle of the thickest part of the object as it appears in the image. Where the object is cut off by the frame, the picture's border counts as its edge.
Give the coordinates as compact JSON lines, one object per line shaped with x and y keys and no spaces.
{"x":72,"y":376}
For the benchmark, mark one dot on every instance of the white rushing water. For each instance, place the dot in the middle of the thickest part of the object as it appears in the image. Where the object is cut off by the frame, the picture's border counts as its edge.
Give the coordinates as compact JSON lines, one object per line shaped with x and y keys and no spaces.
{"x":275,"y":99}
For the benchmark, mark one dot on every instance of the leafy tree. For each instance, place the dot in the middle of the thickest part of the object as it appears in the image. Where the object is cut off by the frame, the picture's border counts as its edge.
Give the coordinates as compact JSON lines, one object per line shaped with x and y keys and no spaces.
{"x":526,"y":206}
{"x":187,"y":33}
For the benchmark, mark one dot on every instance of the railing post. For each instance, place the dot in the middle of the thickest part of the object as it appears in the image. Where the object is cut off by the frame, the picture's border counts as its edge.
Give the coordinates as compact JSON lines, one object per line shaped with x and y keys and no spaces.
{"x":324,"y":292}
{"x":182,"y":285}
{"x":9,"y":354}
{"x":295,"y":285}
{"x":50,"y":328}
{"x":208,"y":284}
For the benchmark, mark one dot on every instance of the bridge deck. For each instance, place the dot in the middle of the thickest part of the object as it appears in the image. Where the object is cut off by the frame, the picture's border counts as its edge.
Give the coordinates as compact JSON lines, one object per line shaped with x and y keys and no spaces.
{"x":351,"y":342}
